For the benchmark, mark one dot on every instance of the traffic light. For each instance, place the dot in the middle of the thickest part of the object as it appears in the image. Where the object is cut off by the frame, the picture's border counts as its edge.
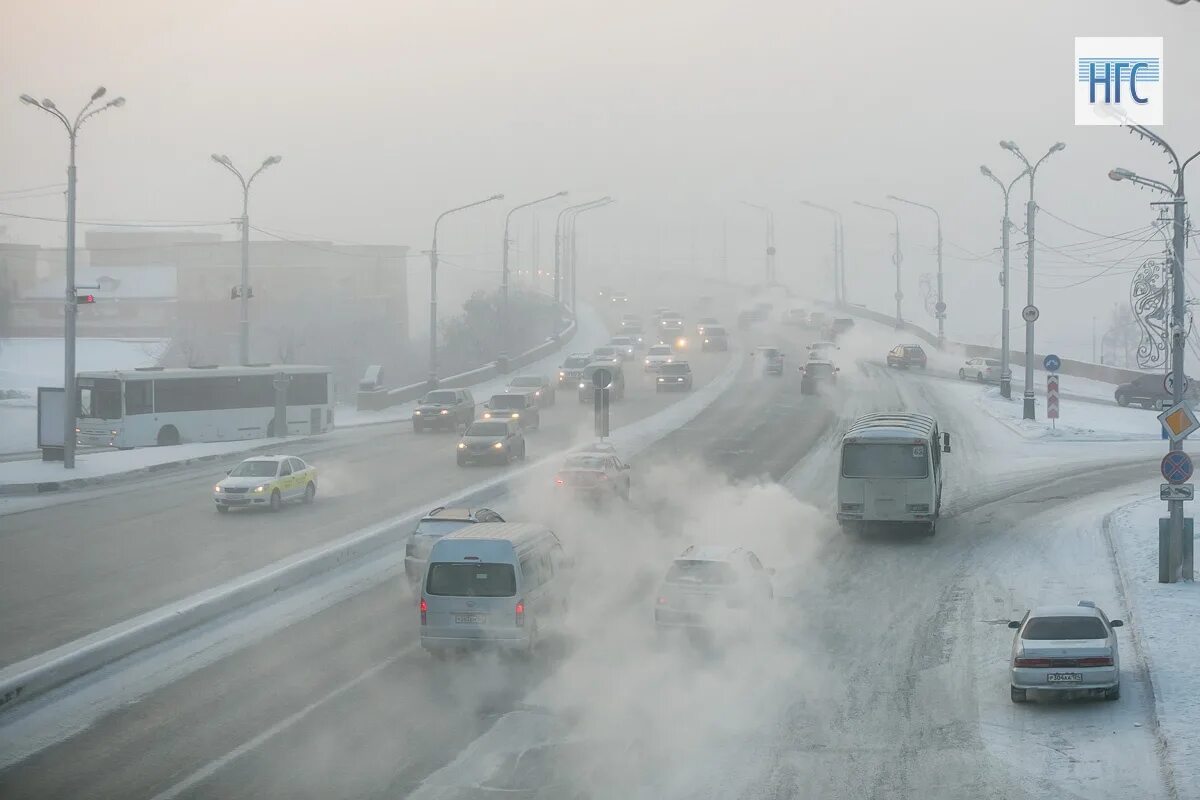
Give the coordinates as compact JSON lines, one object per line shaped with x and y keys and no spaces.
{"x":84,"y":299}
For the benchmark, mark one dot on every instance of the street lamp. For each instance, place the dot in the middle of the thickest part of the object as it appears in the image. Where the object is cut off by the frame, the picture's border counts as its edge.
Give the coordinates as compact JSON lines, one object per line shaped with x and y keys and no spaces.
{"x":839,"y":252}
{"x":1170,"y":560}
{"x":1005,"y":347}
{"x":504,"y":343}
{"x":69,"y":307}
{"x":897,"y":257}
{"x":571,"y":233}
{"x":1029,"y":411}
{"x":244,"y":291}
{"x":433,"y":265}
{"x":941,"y":301}
{"x":770,"y":251}
{"x":558,"y":243}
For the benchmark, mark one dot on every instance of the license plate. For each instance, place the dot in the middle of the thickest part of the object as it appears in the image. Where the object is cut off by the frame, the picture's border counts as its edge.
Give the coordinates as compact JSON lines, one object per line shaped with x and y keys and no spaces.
{"x":468,"y":619}
{"x":1064,"y":677}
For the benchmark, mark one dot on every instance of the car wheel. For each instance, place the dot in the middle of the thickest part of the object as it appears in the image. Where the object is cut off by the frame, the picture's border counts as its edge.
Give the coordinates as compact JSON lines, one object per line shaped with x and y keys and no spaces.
{"x":276,"y":500}
{"x":979,"y":377}
{"x":1113,"y":693}
{"x":310,"y":491}
{"x":1123,"y":400}
{"x":223,"y":509}
{"x":962,"y":376}
{"x":930,"y":529}
{"x":521,"y":455}
{"x":1016,"y":695}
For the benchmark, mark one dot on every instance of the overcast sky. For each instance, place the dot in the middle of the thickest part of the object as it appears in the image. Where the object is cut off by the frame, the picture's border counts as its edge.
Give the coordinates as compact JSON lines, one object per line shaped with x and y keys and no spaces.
{"x":387,"y":113}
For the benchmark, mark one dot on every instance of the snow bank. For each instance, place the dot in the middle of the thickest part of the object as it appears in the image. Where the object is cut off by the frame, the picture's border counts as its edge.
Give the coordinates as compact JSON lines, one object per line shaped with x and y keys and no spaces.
{"x":1079,"y":420}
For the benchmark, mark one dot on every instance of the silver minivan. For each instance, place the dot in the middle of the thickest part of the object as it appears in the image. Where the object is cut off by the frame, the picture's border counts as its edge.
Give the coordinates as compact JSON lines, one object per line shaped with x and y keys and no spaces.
{"x":493,"y":585}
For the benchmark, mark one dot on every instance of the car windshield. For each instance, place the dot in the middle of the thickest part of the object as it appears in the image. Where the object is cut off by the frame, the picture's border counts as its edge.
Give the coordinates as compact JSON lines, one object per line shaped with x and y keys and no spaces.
{"x":487,"y":429}
{"x":576,"y":362}
{"x":701,"y":573}
{"x":435,"y":398}
{"x":660,"y":350}
{"x":1070,"y":627}
{"x":676,"y":369}
{"x":819,"y":369}
{"x":439,"y":527}
{"x":527,"y":381}
{"x":447,"y":579}
{"x":770,"y":352}
{"x":255,"y":469}
{"x":507,"y":401}
{"x":584,"y":461}
{"x":885,"y":460}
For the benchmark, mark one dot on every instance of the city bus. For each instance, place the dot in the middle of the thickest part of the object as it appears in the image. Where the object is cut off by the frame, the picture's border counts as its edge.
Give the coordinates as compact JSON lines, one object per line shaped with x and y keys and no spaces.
{"x":151,"y":406}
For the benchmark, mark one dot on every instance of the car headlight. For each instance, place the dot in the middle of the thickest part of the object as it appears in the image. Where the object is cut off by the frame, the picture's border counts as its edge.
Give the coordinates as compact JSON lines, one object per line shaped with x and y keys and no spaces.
{"x":562,"y":374}
{"x":260,"y":489}
{"x":462,"y":445}
{"x":445,"y":411}
{"x":538,"y":393}
{"x":669,"y":360}
{"x":417,"y":413}
{"x":706,"y":341}
{"x":660,"y":380}
{"x":681,"y":342}
{"x":499,"y":445}
{"x":516,"y":415}
{"x":647,"y":362}
{"x":487,"y":415}
{"x":581,"y":385}
{"x":217,"y":488}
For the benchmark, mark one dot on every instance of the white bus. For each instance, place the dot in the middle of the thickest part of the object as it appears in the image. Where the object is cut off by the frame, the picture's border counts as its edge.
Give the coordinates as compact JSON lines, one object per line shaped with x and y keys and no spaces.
{"x":891,"y":472}
{"x":155,"y":406}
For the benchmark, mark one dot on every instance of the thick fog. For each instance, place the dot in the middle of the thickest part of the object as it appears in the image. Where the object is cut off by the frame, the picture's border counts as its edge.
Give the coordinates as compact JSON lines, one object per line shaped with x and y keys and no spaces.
{"x":388,"y":113}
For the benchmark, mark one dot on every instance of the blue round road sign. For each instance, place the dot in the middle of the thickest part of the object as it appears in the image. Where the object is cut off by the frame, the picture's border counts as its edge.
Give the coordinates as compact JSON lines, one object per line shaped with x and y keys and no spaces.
{"x":1177,"y":467}
{"x":1052,"y":363}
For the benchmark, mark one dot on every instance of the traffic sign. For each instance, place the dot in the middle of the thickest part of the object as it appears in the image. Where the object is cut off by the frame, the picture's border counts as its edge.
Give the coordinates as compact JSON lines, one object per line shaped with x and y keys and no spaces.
{"x":1052,"y":397}
{"x":939,"y":307}
{"x":899,"y":295}
{"x":1182,"y":491}
{"x":1179,"y":421}
{"x":1176,"y":467}
{"x":1169,"y":384}
{"x":1052,"y":363}
{"x":1030,"y":313}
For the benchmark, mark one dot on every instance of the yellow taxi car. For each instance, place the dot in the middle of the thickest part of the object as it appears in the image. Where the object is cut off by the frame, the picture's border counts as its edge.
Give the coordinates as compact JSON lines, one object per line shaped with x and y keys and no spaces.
{"x":268,"y":481}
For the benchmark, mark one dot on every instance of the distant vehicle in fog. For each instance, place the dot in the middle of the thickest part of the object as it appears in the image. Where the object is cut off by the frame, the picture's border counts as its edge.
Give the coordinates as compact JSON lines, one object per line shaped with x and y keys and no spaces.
{"x":432,"y":527}
{"x":714,"y":587}
{"x":492,"y":441}
{"x":676,"y":376}
{"x":587,"y":387}
{"x":1148,"y":391}
{"x":609,"y":352}
{"x":795,"y":316}
{"x":751,"y":316}
{"x":444,"y":408}
{"x":541,"y":388}
{"x":715,"y":338}
{"x":1065,"y":651}
{"x":594,"y":476}
{"x":152,"y":406}
{"x":521,"y":408}
{"x":980,"y":369}
{"x":495,"y":585}
{"x":891,"y":472}
{"x":703,"y":323}
{"x":770,"y":360}
{"x":266,"y":482}
{"x":816,"y":374}
{"x":619,"y":297}
{"x":658,"y":355}
{"x":907,"y":355}
{"x":840,"y":325}
{"x":818,"y":320}
{"x":822,"y":351}
{"x":626,"y":344}
{"x":572,"y":367}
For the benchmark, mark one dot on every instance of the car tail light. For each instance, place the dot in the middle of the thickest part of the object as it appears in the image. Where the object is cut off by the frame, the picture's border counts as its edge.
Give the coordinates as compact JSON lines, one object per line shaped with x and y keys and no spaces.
{"x":1097,"y":661}
{"x":520,"y":613}
{"x":424,"y":610}
{"x":662,"y":601}
{"x":601,"y":477}
{"x":559,"y":482}
{"x":1031,"y":662}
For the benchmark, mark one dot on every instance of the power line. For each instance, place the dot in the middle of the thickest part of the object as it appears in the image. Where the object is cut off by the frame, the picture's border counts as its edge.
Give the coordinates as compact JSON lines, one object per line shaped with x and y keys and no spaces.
{"x":1120,"y":236}
{"x":119,"y":224}
{"x":34,"y":188}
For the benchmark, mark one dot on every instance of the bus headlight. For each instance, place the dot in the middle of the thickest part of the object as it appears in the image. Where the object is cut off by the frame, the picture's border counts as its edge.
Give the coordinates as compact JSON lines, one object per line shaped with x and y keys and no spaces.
{"x":582,"y":385}
{"x":516,"y":415}
{"x":417,"y":413}
{"x":487,"y":415}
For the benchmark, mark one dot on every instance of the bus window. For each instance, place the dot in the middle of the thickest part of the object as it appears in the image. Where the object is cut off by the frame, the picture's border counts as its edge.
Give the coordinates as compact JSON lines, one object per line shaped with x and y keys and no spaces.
{"x":885,"y":460}
{"x":101,"y":400}
{"x":138,"y":397}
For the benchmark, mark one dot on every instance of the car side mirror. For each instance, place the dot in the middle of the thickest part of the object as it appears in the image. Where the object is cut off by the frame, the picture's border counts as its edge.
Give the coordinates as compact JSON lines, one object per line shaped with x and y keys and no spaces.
{"x":1014,"y":624}
{"x":945,"y":443}
{"x":1116,"y":623}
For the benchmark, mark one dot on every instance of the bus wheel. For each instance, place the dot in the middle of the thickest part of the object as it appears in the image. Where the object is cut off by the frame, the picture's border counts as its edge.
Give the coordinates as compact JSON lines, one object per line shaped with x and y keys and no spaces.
{"x":276,"y":501}
{"x":168,"y":435}
{"x":930,"y":529}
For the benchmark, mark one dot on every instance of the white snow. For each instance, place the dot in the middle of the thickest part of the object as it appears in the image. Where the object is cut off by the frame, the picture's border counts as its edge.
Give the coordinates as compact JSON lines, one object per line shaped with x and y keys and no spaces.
{"x":1078,"y":421}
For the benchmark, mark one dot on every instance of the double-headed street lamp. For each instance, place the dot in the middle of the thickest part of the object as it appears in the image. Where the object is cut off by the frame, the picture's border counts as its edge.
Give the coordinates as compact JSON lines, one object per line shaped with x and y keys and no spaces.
{"x":770,"y":249}
{"x":558,"y":241}
{"x":433,"y":265}
{"x":572,"y":261}
{"x":839,"y":251}
{"x":69,"y":306}
{"x":940,"y":308}
{"x":1170,"y":561}
{"x":244,"y":292}
{"x":1029,"y":411}
{"x":504,"y":321}
{"x":1005,"y":346}
{"x":897,"y":257}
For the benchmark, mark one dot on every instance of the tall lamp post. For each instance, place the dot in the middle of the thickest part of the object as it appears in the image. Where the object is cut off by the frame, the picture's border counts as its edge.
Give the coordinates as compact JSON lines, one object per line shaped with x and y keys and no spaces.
{"x":770,"y":249}
{"x":504,"y":322}
{"x":897,"y":256}
{"x":559,"y":233}
{"x":571,"y":224}
{"x":433,"y":265}
{"x":940,"y":308}
{"x":1005,"y":345}
{"x":244,"y":290}
{"x":70,"y":301}
{"x":1030,"y":213}
{"x":839,"y":252}
{"x":1170,"y":562}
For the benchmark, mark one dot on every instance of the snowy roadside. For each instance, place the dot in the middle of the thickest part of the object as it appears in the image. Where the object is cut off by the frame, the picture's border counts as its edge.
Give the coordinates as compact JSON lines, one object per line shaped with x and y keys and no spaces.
{"x":1166,"y":625}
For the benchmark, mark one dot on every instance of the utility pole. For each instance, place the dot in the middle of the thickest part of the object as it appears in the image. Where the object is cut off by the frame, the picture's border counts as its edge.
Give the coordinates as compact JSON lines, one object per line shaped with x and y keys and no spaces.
{"x":839,"y":245}
{"x":897,"y":258}
{"x":1030,"y":409}
{"x":70,"y":298}
{"x":725,"y":250}
{"x":1006,"y":226}
{"x":563,"y":228}
{"x":940,"y":308}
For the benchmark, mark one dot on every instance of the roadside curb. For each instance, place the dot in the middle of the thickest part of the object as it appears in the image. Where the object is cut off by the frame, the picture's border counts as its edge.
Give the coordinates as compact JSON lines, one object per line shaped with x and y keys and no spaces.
{"x":39,"y":674}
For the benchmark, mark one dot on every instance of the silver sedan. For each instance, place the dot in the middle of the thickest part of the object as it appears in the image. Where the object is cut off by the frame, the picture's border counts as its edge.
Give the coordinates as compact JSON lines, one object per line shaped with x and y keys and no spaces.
{"x":1065,"y":650}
